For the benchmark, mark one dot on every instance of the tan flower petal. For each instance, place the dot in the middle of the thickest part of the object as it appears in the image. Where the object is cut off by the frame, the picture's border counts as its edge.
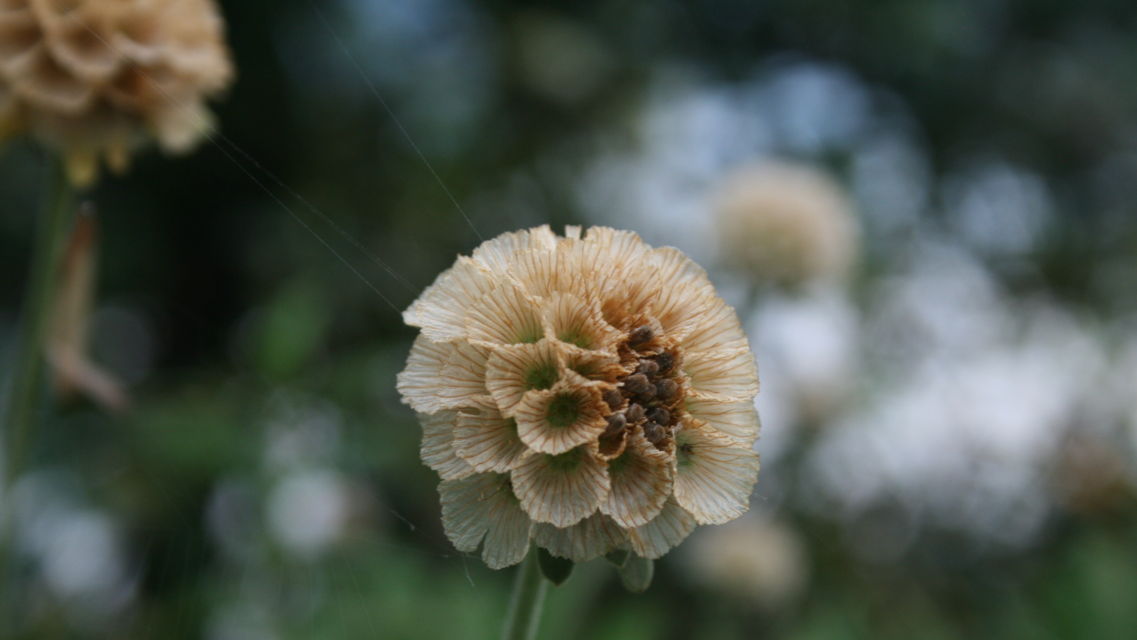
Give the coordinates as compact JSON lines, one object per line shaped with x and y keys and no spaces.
{"x":590,"y":538}
{"x":716,"y":328}
{"x":437,"y":449}
{"x":592,"y":365}
{"x":483,"y":507}
{"x":441,"y":309}
{"x":641,"y":483}
{"x":737,"y":419}
{"x":673,"y":266}
{"x":418,"y":383}
{"x":463,"y":378}
{"x":561,"y":490}
{"x":678,"y":306}
{"x":558,"y":419}
{"x":617,"y":247}
{"x":505,"y":315}
{"x":724,"y":375}
{"x":668,"y":529}
{"x":487,"y":440}
{"x":512,"y":370}
{"x":714,"y":474}
{"x":443,"y":375}
{"x":499,"y":253}
{"x":543,"y":273}
{"x":579,"y":322}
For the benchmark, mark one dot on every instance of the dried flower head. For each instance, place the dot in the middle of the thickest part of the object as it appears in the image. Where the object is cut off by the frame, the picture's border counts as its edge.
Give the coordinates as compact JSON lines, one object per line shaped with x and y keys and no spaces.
{"x":92,"y":78}
{"x":589,"y":393}
{"x":756,"y":561}
{"x":786,"y":224}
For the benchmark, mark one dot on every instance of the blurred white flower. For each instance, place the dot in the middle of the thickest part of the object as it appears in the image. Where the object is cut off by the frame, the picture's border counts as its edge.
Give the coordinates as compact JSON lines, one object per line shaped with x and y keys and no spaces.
{"x":974,"y":399}
{"x":785,"y":224}
{"x":755,"y":559}
{"x":308,"y":510}
{"x":809,"y":344}
{"x":300,"y":431}
{"x":78,"y":550}
{"x":691,"y":132}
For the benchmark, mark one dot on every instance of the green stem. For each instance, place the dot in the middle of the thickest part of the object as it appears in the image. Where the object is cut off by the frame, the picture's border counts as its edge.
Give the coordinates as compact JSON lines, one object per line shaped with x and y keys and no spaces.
{"x":525,"y":604}
{"x":42,"y":279}
{"x":25,"y":374}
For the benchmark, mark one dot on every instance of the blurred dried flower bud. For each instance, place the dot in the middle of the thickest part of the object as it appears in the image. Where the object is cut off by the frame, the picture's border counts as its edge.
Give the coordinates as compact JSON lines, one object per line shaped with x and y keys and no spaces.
{"x":786,"y":224}
{"x":94,"y":79}
{"x":756,"y":561}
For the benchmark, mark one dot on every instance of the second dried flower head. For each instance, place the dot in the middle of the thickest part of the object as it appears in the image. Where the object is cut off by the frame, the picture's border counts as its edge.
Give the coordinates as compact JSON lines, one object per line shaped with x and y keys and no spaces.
{"x":588,"y":393}
{"x":93,"y":79}
{"x":786,"y":224}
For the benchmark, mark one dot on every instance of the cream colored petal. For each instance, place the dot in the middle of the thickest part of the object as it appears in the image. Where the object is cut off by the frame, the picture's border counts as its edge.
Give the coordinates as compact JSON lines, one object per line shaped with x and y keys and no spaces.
{"x":44,"y":83}
{"x":592,"y":365}
{"x":621,"y":247}
{"x":543,"y":273}
{"x":487,"y":440}
{"x":441,"y":308}
{"x":673,"y":266}
{"x":84,"y":50}
{"x":612,"y":446}
{"x":505,"y":315}
{"x":556,"y":420}
{"x":640,"y":483}
{"x":512,"y":370}
{"x":561,"y":490}
{"x":678,"y":306}
{"x":590,"y":538}
{"x":482,"y":507}
{"x":714,"y":474}
{"x":463,"y":381}
{"x":737,"y":419}
{"x":437,"y":448}
{"x":576,"y":321}
{"x":442,"y":375}
{"x":180,"y":127}
{"x":498,"y":254}
{"x":668,"y":529}
{"x":716,"y":328}
{"x":19,"y":35}
{"x":726,"y":375}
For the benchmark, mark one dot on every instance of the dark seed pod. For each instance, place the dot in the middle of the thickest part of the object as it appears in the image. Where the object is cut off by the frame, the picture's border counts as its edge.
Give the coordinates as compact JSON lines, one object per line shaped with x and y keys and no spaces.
{"x":648,"y":367}
{"x":635,"y":413}
{"x":640,"y":335}
{"x":653,"y":432}
{"x":613,"y":399}
{"x":616,"y":423}
{"x":638,"y":384}
{"x":666,"y":361}
{"x":666,"y":389}
{"x":659,"y":415}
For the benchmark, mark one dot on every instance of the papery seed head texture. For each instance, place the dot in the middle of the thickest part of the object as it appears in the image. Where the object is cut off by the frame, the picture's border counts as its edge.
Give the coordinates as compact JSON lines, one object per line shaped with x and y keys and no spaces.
{"x":94,"y":79}
{"x":785,"y":224}
{"x":585,"y":392}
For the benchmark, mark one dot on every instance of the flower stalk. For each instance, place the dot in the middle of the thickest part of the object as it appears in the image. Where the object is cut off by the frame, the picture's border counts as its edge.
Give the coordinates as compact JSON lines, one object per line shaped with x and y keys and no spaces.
{"x":26,"y":373}
{"x":527,"y":600}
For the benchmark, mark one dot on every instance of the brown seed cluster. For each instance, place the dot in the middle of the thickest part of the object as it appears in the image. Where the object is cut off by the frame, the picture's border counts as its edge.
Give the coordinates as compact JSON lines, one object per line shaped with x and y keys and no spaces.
{"x":650,"y":398}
